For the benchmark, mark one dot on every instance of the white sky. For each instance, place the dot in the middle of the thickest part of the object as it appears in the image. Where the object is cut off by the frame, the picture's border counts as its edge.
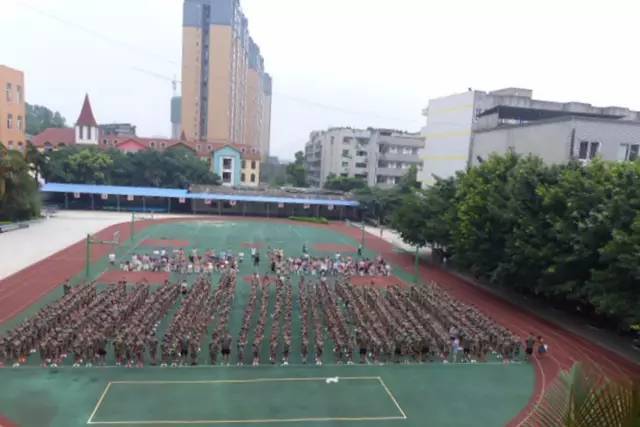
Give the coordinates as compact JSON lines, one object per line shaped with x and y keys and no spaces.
{"x":334,"y":62}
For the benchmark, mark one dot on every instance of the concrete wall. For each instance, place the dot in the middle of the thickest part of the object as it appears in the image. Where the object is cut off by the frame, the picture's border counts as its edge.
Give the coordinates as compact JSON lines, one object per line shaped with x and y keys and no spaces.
{"x":551,"y":140}
{"x":447,"y":135}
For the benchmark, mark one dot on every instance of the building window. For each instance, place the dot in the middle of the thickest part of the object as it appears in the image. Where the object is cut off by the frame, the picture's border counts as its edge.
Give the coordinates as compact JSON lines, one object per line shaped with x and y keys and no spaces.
{"x":345,"y":153}
{"x":226,"y":163}
{"x":81,"y":131}
{"x":89,"y":132}
{"x":9,"y":88}
{"x":19,"y":122}
{"x":594,"y":149}
{"x":9,"y":121}
{"x":152,"y":144}
{"x":344,"y":174}
{"x":628,"y":152}
{"x":253,"y":177}
{"x":361,"y":153}
{"x":361,"y":165}
{"x":209,"y":147}
{"x":226,"y":177}
{"x":345,"y":164}
{"x":253,"y":165}
{"x":10,"y":144}
{"x":242,"y":177}
{"x":163,"y":144}
{"x":584,"y":150}
{"x":244,"y":165}
{"x":347,"y":140}
{"x":19,"y":94}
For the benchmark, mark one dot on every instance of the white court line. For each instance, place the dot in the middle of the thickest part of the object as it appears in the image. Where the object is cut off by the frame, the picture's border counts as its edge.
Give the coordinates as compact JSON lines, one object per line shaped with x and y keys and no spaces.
{"x":95,"y":409}
{"x":404,"y":416}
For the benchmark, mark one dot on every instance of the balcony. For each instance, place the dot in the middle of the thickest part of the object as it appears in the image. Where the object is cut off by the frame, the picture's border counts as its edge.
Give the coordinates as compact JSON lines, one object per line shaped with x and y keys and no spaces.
{"x":391,"y":172}
{"x":411,"y":158}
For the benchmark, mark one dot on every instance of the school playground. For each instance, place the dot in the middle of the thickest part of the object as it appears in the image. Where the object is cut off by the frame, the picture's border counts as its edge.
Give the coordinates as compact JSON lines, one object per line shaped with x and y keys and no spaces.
{"x":432,"y":394}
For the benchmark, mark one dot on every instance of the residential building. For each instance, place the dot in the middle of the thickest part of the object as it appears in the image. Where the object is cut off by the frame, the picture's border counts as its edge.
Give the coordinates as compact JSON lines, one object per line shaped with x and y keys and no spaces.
{"x":379,"y":156}
{"x":226,"y":93}
{"x":241,"y":169}
{"x":118,"y":129}
{"x":464,"y":129}
{"x":12,"y":109}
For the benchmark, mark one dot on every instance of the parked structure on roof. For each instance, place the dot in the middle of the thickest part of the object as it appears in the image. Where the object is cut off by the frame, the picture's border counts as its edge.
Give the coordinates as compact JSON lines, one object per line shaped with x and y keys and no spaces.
{"x":378,"y":156}
{"x":237,"y":164}
{"x":465,"y":129}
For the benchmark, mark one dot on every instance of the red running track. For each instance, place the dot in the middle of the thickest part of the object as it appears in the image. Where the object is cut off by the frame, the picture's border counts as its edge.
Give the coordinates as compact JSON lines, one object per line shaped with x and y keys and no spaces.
{"x":565,"y":347}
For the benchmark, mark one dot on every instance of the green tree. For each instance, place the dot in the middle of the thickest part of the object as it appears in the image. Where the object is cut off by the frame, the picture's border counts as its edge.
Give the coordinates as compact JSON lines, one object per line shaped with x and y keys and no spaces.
{"x":40,"y":118}
{"x":296,"y":171}
{"x":36,"y":160}
{"x":89,"y":166}
{"x":482,"y":220}
{"x":20,"y":198}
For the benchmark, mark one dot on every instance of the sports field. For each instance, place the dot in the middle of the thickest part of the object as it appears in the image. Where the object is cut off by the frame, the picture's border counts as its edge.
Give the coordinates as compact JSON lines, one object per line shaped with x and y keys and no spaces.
{"x":435,"y":394}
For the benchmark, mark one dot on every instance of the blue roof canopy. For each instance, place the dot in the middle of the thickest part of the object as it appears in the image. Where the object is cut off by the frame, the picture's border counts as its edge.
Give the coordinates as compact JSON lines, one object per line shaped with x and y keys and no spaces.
{"x":177,"y":193}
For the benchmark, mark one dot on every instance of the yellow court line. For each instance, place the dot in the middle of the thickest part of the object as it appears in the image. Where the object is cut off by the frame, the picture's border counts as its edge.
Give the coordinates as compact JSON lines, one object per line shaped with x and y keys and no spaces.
{"x":254,"y":380}
{"x":249,"y":421}
{"x":95,"y":409}
{"x":404,"y":416}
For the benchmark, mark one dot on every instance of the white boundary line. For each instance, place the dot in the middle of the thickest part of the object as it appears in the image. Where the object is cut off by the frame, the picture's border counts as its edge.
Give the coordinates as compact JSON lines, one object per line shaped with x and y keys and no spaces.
{"x":540,"y":397}
{"x":95,"y":409}
{"x":404,"y":416}
{"x":249,"y":421}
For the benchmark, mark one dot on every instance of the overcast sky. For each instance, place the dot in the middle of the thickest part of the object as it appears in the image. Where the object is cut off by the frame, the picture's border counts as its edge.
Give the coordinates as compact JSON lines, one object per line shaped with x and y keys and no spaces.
{"x":334,"y":62}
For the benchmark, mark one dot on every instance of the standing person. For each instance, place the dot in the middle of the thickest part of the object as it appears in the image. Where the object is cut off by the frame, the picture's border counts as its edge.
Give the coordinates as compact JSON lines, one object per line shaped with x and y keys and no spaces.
{"x":304,"y":248}
{"x":66,"y":287}
{"x":256,"y":259}
{"x":360,"y":250}
{"x":542,"y":347}
{"x":529,"y":343}
{"x":226,"y":348}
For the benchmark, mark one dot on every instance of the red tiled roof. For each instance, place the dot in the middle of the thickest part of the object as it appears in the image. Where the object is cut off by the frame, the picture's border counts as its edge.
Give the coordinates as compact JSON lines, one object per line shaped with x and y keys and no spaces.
{"x":55,"y":136}
{"x":86,"y":115}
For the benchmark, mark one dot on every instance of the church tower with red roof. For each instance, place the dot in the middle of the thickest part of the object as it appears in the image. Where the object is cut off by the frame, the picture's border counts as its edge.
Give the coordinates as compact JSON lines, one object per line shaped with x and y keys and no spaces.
{"x":86,"y":126}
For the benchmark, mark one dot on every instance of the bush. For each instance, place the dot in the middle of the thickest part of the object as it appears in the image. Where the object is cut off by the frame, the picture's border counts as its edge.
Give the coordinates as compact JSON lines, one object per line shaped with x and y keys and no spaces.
{"x":312,"y":219}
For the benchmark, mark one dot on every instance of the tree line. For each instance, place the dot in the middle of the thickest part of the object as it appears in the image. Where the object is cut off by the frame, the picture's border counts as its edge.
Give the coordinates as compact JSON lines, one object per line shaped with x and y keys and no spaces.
{"x":568,"y":233}
{"x":174,"y":168}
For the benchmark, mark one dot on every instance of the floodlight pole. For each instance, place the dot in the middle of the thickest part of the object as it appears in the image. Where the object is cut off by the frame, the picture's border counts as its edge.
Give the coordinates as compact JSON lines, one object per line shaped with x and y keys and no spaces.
{"x":362,"y":242}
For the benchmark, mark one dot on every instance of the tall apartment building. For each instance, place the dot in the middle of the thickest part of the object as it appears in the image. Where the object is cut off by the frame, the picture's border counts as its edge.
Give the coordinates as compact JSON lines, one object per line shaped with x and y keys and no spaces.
{"x":12,"y":109}
{"x":226,"y":93}
{"x":464,"y":129}
{"x":380,"y":156}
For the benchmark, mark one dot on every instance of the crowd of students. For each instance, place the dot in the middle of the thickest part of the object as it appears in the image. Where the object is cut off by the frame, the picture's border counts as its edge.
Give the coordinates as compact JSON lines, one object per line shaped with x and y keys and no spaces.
{"x":181,"y":261}
{"x":337,"y":265}
{"x":364,"y":324}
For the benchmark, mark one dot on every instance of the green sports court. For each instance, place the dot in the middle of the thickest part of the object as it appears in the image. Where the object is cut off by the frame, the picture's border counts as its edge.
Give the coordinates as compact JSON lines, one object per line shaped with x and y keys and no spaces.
{"x":429,"y":394}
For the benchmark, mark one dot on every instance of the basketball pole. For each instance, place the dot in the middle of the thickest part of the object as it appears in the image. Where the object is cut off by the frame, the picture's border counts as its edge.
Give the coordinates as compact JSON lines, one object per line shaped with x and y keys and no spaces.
{"x":132,"y":229}
{"x":87,"y":269}
{"x":415,"y":277}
